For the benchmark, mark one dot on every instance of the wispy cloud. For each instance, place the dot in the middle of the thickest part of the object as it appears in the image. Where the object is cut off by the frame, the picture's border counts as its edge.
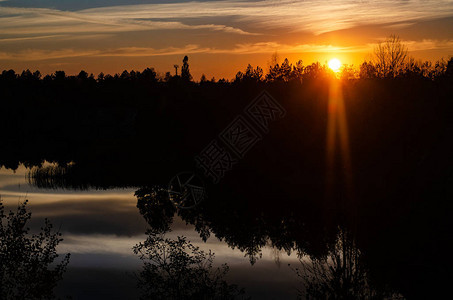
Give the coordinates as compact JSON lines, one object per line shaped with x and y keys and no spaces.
{"x":428,"y":44}
{"x":36,"y":54}
{"x":316,"y":16}
{"x":26,"y":21}
{"x":269,"y":47}
{"x":258,"y":16}
{"x":238,"y":49}
{"x":248,"y":48}
{"x":56,"y":36}
{"x":422,"y":45}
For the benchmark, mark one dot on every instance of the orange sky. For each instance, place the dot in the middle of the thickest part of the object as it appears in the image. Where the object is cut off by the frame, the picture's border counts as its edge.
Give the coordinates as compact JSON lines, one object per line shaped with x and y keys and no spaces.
{"x":220,"y":37}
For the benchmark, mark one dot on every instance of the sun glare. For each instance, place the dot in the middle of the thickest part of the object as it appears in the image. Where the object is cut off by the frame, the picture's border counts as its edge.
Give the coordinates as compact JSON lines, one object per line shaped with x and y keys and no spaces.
{"x":335,"y":64}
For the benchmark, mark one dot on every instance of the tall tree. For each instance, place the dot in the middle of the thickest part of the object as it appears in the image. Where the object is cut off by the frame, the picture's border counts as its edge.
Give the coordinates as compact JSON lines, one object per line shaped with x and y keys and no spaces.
{"x":185,"y":72}
{"x":390,"y":56}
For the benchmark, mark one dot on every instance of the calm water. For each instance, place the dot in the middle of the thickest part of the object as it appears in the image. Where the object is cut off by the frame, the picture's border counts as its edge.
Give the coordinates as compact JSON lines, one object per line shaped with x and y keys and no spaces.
{"x":356,"y":179}
{"x":100,"y":227}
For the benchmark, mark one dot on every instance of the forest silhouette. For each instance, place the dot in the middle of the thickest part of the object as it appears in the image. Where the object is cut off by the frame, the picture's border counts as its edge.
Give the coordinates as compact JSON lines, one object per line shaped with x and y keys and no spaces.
{"x":139,"y":129}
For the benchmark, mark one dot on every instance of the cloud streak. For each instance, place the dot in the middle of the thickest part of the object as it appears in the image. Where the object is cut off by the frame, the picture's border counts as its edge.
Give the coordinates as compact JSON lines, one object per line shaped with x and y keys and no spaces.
{"x":314,"y":16}
{"x":35,"y":21}
{"x":238,"y":49}
{"x":248,"y":48}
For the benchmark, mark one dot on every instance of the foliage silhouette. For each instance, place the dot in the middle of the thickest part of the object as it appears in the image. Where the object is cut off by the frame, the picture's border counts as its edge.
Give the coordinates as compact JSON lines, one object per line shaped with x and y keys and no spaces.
{"x":156,"y":208}
{"x":176,"y":269}
{"x":25,"y":261}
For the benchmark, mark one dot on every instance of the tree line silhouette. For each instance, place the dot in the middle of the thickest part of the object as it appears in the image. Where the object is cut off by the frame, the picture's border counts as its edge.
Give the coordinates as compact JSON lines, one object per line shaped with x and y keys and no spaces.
{"x":389,"y":60}
{"x":69,"y":111}
{"x":284,"y":72}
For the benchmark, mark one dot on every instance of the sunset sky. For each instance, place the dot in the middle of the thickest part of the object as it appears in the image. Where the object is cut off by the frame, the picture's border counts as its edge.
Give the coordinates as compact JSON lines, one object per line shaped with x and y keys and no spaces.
{"x":220,"y":37}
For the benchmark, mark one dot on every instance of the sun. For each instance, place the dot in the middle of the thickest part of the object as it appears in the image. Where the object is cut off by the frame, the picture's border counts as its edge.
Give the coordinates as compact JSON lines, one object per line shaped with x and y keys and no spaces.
{"x":334,"y":64}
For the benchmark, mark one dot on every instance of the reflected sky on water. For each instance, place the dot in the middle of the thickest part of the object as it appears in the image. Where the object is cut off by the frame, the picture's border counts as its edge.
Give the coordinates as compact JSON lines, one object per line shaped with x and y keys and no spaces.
{"x":100,"y":227}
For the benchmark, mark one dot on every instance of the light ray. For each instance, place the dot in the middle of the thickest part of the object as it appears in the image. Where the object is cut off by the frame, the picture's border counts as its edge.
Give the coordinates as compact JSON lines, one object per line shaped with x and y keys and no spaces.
{"x":337,"y":130}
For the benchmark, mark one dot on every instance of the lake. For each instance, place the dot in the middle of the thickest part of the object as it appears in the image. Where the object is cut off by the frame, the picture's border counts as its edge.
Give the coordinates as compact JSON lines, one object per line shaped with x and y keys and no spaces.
{"x":269,"y":191}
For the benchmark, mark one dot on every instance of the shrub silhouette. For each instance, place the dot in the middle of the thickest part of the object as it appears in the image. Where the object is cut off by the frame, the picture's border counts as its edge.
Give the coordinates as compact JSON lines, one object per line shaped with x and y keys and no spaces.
{"x":25,"y":260}
{"x":176,"y":269}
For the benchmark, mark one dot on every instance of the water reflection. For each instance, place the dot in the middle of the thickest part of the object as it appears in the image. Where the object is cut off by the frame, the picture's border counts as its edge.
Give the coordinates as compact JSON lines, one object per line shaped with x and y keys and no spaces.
{"x":341,"y":274}
{"x":400,"y":148}
{"x":242,"y":227}
{"x":374,"y":255}
{"x":156,"y":208}
{"x":175,"y":268}
{"x":28,"y":262}
{"x":336,"y":268}
{"x":399,"y":233}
